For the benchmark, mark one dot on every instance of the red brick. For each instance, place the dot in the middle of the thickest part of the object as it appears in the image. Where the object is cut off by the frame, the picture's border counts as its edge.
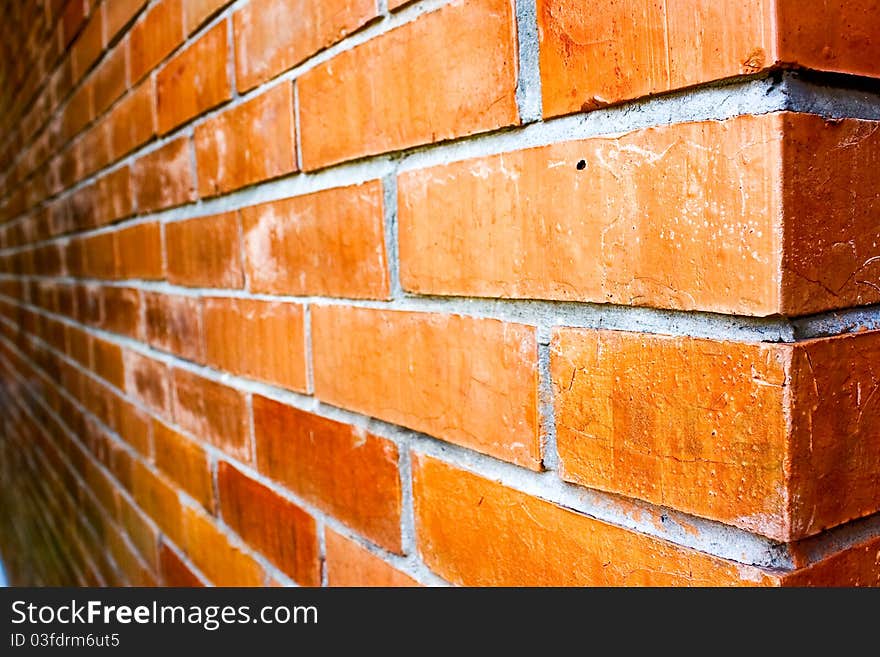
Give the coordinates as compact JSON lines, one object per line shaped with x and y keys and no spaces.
{"x":154,"y":37}
{"x":118,"y":13}
{"x":748,"y":434}
{"x":276,"y":527}
{"x":120,"y":311}
{"x":608,"y":51}
{"x":139,"y":252}
{"x":133,"y":426}
{"x":348,"y":564}
{"x":327,"y":243}
{"x":164,"y":177}
{"x":196,"y":12}
{"x":681,"y":216}
{"x":476,"y":532}
{"x":110,"y":81}
{"x":184,"y":462}
{"x":212,"y":412}
{"x":251,"y":142}
{"x":205,"y":252}
{"x":469,"y":381}
{"x":194,"y":81}
{"x":396,"y":91}
{"x":233,"y":326}
{"x":132,"y":122}
{"x":87,"y":48}
{"x":174,"y":572}
{"x":224,"y":563}
{"x":159,"y":500}
{"x":107,"y":362}
{"x":343,"y":470}
{"x":272,"y":36}
{"x":174,"y":324}
{"x":112,"y":196}
{"x":147,"y":380}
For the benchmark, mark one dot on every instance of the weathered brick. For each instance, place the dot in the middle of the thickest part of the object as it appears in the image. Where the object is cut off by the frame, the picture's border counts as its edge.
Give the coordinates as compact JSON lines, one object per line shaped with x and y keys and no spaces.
{"x":154,"y":37}
{"x":174,"y":323}
{"x":223,"y":562}
{"x":348,"y":564}
{"x":184,"y":462}
{"x":329,"y":243}
{"x":276,"y":527}
{"x":274,"y":35}
{"x":164,"y":177}
{"x":139,"y":252}
{"x":748,"y":434}
{"x":212,"y":412}
{"x":205,"y":252}
{"x":343,"y":470}
{"x":251,"y":142}
{"x":461,"y":518}
{"x":196,"y":12}
{"x":395,"y":91}
{"x":194,"y":80}
{"x":469,"y":381}
{"x":148,"y":381}
{"x":234,"y":326}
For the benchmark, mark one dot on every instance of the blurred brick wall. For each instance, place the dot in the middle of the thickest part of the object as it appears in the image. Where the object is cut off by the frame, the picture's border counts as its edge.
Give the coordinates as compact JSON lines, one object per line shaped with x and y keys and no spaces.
{"x":451,"y":291}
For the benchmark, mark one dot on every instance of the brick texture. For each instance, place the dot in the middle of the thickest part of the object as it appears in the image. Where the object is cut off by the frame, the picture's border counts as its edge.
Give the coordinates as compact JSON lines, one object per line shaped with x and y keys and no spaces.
{"x":468,"y":292}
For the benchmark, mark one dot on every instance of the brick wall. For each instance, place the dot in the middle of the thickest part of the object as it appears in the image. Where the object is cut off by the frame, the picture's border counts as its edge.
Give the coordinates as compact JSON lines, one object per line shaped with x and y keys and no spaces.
{"x":446,"y":291}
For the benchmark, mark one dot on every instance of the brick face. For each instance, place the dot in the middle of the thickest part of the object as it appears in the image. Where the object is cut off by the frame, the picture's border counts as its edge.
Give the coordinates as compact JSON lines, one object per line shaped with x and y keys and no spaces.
{"x":274,"y":35}
{"x":468,"y":292}
{"x":329,"y":243}
{"x":364,"y":101}
{"x":488,"y":401}
{"x":251,"y":142}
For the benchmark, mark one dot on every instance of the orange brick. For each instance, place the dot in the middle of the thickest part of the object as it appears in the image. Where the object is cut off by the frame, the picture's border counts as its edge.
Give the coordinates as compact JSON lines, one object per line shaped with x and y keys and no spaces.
{"x":120,"y":311}
{"x":608,"y":51}
{"x":107,"y":362}
{"x":118,"y":13}
{"x":212,"y":412}
{"x":205,"y":252}
{"x":469,"y":381}
{"x":682,"y":216}
{"x":154,"y":37}
{"x":174,"y":324}
{"x":248,"y":143}
{"x":614,"y":51}
{"x":184,"y":462}
{"x":224,"y":563}
{"x":272,"y":36}
{"x":100,"y":255}
{"x":133,"y":426}
{"x":164,"y":177}
{"x":147,"y":380}
{"x":831,"y":239}
{"x":276,"y":527}
{"x":462,"y":518}
{"x":348,"y":564}
{"x":343,"y":470}
{"x":194,"y":81}
{"x":748,"y":434}
{"x":396,"y":4}
{"x":88,"y":46}
{"x":174,"y":572}
{"x":140,"y":532}
{"x":112,"y":196}
{"x":110,"y":82}
{"x":139,"y":252}
{"x":132,"y":122}
{"x":234,"y":326}
{"x":858,"y":565}
{"x":196,"y":12}
{"x":158,"y":500}
{"x":328,"y":243}
{"x":396,"y":91}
